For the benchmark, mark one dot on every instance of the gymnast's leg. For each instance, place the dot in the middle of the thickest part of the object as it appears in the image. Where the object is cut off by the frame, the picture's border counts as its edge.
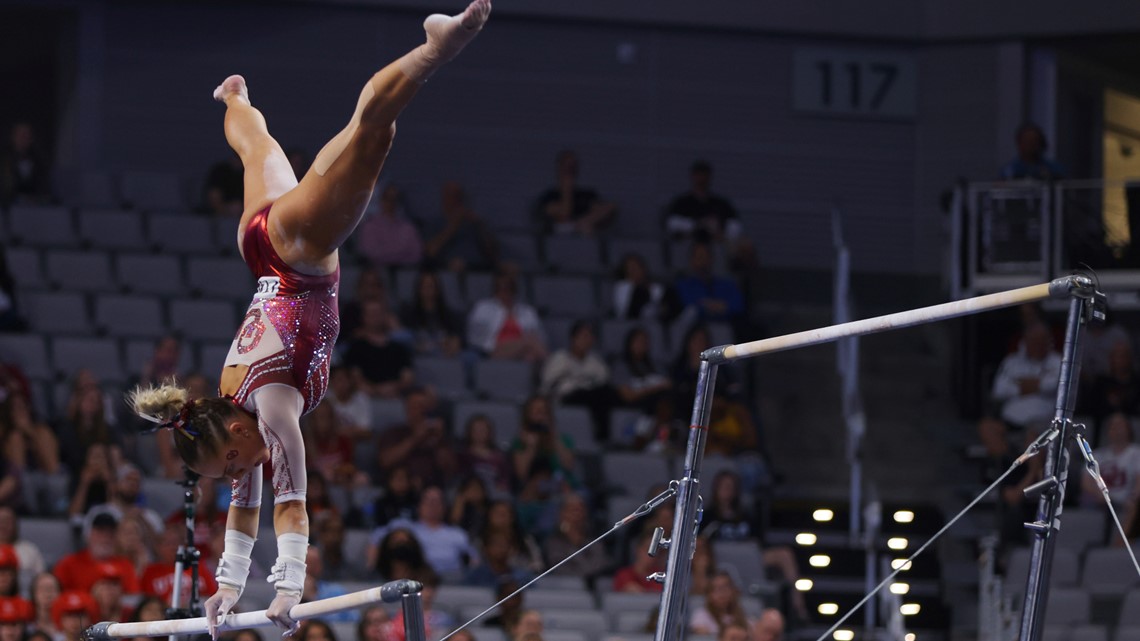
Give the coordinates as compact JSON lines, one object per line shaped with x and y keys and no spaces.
{"x":327,"y":205}
{"x":268,"y":174}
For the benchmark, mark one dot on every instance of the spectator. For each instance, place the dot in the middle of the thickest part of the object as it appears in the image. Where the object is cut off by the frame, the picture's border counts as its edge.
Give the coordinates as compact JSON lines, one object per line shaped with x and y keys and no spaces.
{"x":1097,"y":344}
{"x":733,"y":632}
{"x":9,"y":572}
{"x":211,"y":507}
{"x":504,"y":327}
{"x":721,"y":609}
{"x":30,"y":558}
{"x":318,"y":501}
{"x":702,"y":566}
{"x":224,"y":190}
{"x":1119,"y":389}
{"x":370,"y":286}
{"x":94,"y":485}
{"x":315,"y":630}
{"x":435,"y":328}
{"x":639,"y":380}
{"x":107,"y":591}
{"x":381,"y":366}
{"x":632,"y":578}
{"x":157,"y":578}
{"x":316,"y":588}
{"x":497,"y":562}
{"x":388,"y":238}
{"x":353,"y":410}
{"x":328,"y":449}
{"x":374,"y":623}
{"x":540,"y":451}
{"x":574,"y":530}
{"x":10,"y":318}
{"x":44,"y":591}
{"x":510,"y":610}
{"x":126,"y":499}
{"x":469,"y":509}
{"x":529,"y":626}
{"x":446,"y":548}
{"x":568,"y":207}
{"x":482,"y":456}
{"x":712,"y":298}
{"x":436,"y":622}
{"x":1119,"y":460}
{"x":25,"y":175}
{"x":421,"y":443}
{"x":136,"y":538}
{"x":397,"y":554}
{"x":164,"y":364}
{"x":87,"y":422}
{"x":73,"y":612}
{"x":731,"y":427}
{"x":525,"y":551}
{"x":149,"y":609}
{"x":1013,"y":509}
{"x":638,"y":296}
{"x":329,"y":537}
{"x":400,"y":499}
{"x":80,"y":570}
{"x":1030,"y":161}
{"x":699,"y":211}
{"x":15,"y":614}
{"x":461,"y":241}
{"x":578,"y":375}
{"x":769,"y":627}
{"x":1026,"y":382}
{"x":26,"y":440}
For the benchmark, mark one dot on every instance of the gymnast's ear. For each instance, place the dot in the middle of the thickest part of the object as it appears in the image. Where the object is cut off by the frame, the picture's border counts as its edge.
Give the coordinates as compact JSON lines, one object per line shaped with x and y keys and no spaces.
{"x":236,"y":428}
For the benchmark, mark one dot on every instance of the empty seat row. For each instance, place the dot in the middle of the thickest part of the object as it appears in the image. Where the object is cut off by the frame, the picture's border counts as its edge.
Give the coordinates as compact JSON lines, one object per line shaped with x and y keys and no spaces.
{"x":129,"y":316}
{"x":54,"y":226}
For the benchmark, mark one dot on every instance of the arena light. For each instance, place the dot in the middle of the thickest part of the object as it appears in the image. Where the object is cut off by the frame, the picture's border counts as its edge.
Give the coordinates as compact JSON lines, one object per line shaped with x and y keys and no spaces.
{"x":900,"y":588}
{"x":843,"y":635}
{"x":803,"y":585}
{"x":819,"y":560}
{"x":909,"y":636}
{"x":904,"y":516}
{"x":910,"y":609}
{"x":806,"y":538}
{"x":897,"y":543}
{"x":823,"y":515}
{"x":828,"y":609}
{"x":901,"y":563}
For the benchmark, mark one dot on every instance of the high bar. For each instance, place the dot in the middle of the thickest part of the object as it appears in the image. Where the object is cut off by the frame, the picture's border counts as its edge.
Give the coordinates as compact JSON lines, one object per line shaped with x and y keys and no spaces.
{"x":1058,"y":288}
{"x":389,"y":593}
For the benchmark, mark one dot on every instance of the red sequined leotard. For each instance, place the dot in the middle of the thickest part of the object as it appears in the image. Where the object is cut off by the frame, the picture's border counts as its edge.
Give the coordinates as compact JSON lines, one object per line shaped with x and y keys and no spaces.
{"x":286,"y":340}
{"x":288,"y":333}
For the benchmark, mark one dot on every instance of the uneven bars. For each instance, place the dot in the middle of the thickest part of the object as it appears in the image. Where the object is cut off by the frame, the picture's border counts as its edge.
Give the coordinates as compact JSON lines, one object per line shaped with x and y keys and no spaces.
{"x":388,"y":593}
{"x":1061,"y":287}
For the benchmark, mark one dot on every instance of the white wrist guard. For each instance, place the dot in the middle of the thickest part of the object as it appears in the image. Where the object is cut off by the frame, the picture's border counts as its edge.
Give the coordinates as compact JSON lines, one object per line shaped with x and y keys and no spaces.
{"x":289,"y":570}
{"x":233,"y":567}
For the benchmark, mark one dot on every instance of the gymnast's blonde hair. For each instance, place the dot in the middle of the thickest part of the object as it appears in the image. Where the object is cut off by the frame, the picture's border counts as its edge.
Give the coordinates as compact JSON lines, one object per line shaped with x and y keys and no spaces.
{"x":199,"y":425}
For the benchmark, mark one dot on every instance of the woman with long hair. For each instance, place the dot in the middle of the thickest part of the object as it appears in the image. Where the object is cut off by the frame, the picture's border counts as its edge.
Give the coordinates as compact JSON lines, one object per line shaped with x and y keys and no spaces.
{"x":45,"y":589}
{"x":434,"y":326}
{"x":722,"y":607}
{"x":278,"y":365}
{"x":481,"y":455}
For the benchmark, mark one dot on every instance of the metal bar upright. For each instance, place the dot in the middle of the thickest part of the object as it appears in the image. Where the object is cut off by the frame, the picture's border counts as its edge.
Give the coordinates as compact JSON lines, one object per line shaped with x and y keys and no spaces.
{"x":672,"y":620}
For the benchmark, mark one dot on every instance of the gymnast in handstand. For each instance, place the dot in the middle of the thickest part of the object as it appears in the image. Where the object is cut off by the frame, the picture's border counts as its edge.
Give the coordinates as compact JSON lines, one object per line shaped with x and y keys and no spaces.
{"x":278,"y":364}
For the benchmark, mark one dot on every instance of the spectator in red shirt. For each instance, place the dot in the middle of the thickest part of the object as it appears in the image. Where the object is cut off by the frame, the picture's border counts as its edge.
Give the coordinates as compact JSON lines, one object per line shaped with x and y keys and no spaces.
{"x":158,"y":577}
{"x":72,"y":613}
{"x":632,"y":578}
{"x":108,"y":592}
{"x":79,"y":571}
{"x":328,"y":448}
{"x":9,"y":572}
{"x":15,"y":613}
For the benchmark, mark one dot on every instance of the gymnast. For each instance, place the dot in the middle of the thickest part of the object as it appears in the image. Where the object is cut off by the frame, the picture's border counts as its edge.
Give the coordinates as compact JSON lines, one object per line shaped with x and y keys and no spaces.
{"x":278,"y":365}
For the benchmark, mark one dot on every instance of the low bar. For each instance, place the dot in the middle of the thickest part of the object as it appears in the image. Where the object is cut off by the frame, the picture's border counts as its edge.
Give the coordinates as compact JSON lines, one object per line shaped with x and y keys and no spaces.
{"x":388,"y":593}
{"x":1059,"y":288}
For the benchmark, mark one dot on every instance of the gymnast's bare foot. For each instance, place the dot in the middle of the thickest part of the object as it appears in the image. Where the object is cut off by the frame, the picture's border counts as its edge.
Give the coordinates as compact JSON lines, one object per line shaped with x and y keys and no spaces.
{"x":232,"y":88}
{"x":446,"y":37}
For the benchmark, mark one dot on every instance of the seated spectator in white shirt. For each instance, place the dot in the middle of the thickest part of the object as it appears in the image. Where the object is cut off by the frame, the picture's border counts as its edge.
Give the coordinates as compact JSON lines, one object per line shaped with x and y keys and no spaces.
{"x":504,"y":327}
{"x":447,"y":548}
{"x":1119,"y":460}
{"x":1026,"y":382}
{"x":578,"y":375}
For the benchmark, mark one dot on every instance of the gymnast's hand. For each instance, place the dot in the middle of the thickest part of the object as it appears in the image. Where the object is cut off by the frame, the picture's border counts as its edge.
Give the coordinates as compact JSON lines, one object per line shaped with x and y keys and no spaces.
{"x":278,"y":611}
{"x":218,"y":606}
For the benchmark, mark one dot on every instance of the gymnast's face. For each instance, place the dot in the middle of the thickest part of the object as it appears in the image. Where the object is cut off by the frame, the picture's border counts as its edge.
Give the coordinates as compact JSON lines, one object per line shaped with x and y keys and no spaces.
{"x":244,"y":450}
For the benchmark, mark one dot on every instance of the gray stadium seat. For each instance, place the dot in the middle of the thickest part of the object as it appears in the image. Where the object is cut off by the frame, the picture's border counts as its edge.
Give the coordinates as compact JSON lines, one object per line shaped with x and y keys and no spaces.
{"x":130,"y":316}
{"x":227,"y":278}
{"x":633,"y":473}
{"x":203,"y":319}
{"x":648,"y":249}
{"x":623,"y":423}
{"x":484,"y":633}
{"x":633,"y":621}
{"x":631,"y":636}
{"x":454,"y":597}
{"x":100,"y":355}
{"x":212,"y":358}
{"x":559,"y":582}
{"x":565,"y":295}
{"x":96,"y":189}
{"x":1128,"y":632}
{"x":511,"y":381}
{"x":506,"y":418}
{"x":575,"y":422}
{"x":1130,"y":609}
{"x":1082,"y":529}
{"x":614,"y":602}
{"x":619,"y":507}
{"x":150,"y":274}
{"x":57,"y":313}
{"x":42,"y":226}
{"x":356,"y":543}
{"x":26,"y":266}
{"x":112,"y":229}
{"x":557,"y":331}
{"x":226,"y":234}
{"x":614,"y":331}
{"x":162,"y":495}
{"x":564,"y":635}
{"x":153,"y":191}
{"x":29,"y":351}
{"x":387,"y":412}
{"x":1067,"y":606}
{"x":343,"y":630}
{"x":446,"y":375}
{"x":182,"y":233}
{"x":1108,"y":571}
{"x":560,"y":599}
{"x":52,"y":536}
{"x":1075,"y":633}
{"x":80,"y":271}
{"x":138,"y":352}
{"x":1064,"y":572}
{"x":588,"y":621}
{"x":519,"y":249}
{"x":405,"y":282}
{"x":744,"y":560}
{"x":573,"y":255}
{"x":477,"y":286}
